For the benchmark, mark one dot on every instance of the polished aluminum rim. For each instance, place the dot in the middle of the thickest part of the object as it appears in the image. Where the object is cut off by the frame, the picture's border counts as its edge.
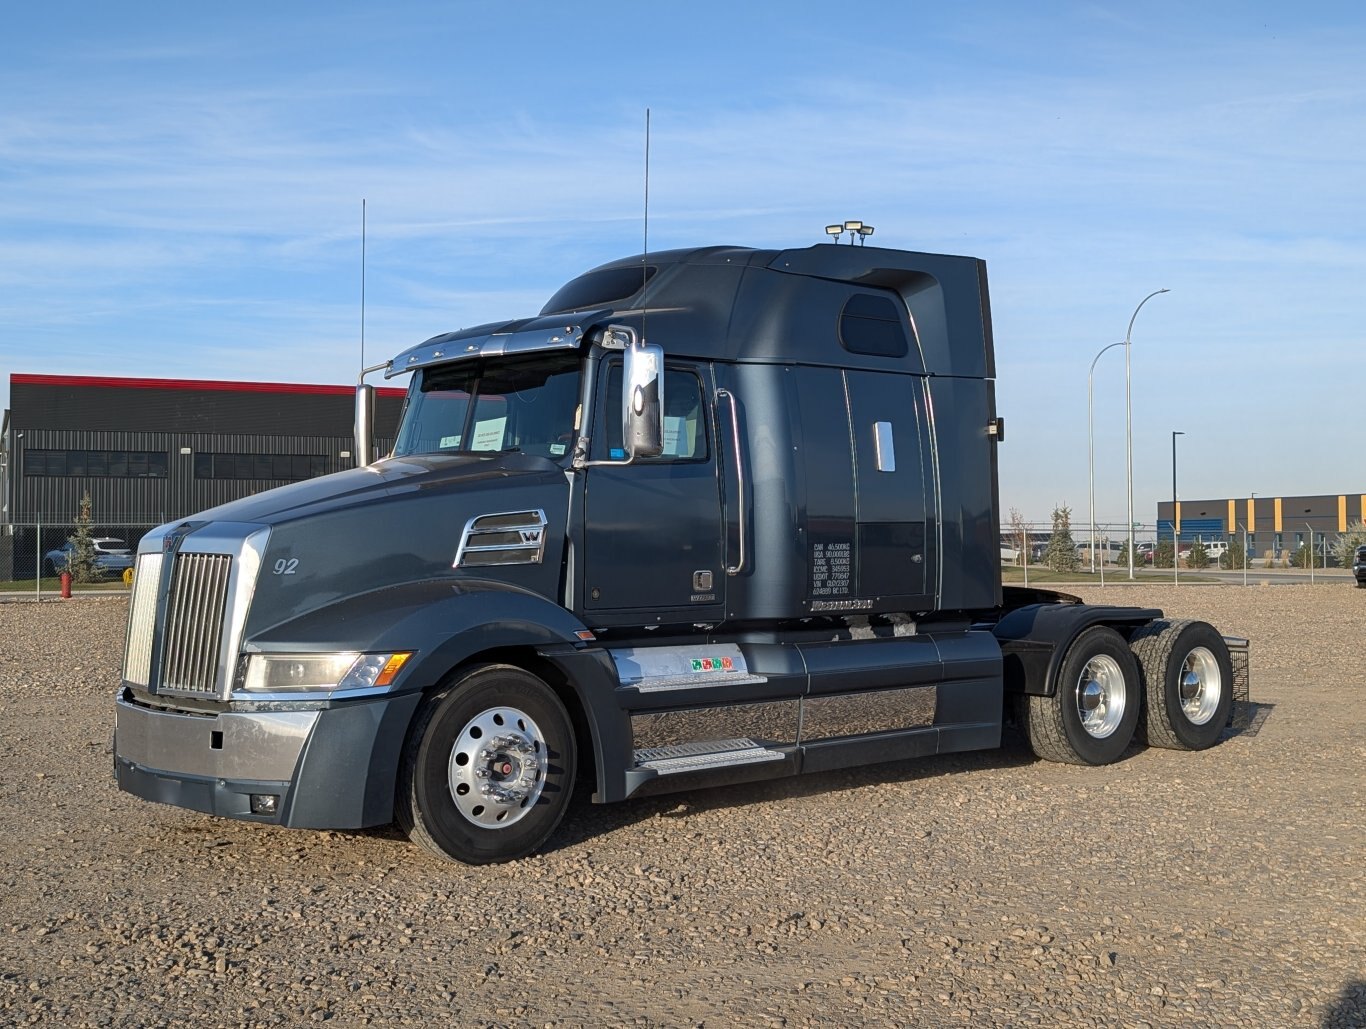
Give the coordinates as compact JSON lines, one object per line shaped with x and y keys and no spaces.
{"x":1201,"y":685}
{"x":1101,"y":696}
{"x":497,"y":767}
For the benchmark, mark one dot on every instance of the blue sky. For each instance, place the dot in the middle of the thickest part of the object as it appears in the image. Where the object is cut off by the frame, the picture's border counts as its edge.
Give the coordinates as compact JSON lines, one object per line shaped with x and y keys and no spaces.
{"x":181,"y":186}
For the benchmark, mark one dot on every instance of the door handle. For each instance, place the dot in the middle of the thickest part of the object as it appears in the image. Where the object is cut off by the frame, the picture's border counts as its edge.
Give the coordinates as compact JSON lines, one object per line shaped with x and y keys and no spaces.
{"x":733,"y":404}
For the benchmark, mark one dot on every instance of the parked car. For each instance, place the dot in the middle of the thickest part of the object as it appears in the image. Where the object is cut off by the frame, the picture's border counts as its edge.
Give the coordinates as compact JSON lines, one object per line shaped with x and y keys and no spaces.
{"x":1144,"y":551}
{"x":112,"y":557}
{"x":1359,"y":567}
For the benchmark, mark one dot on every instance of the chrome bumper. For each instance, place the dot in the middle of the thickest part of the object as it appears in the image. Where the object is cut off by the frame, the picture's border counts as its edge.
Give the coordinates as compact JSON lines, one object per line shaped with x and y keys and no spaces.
{"x":329,"y":768}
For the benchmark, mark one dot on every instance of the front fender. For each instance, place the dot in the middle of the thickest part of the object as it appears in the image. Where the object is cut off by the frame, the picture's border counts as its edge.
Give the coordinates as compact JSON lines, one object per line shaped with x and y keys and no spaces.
{"x":447,"y":622}
{"x":443,"y":621}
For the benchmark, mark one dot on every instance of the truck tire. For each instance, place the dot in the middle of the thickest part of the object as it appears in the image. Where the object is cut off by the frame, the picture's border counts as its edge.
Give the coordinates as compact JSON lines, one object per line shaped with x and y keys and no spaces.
{"x":488,"y":768}
{"x":1091,"y":716}
{"x":1188,"y":684}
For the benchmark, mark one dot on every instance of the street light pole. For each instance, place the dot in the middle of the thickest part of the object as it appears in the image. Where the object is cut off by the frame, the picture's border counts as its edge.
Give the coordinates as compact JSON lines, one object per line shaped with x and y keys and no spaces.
{"x":1091,"y":446}
{"x":1176,"y":519}
{"x":1129,"y":426}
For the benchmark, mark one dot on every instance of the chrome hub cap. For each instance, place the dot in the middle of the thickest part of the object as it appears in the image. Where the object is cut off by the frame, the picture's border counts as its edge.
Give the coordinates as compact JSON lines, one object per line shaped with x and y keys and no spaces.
{"x":497,"y":767}
{"x":1201,"y":685}
{"x":1101,"y":696}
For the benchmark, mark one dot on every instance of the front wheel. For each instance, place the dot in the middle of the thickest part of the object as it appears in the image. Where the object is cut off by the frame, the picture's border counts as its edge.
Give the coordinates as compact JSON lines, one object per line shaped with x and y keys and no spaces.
{"x":1188,"y":680}
{"x":1091,"y":716}
{"x":488,"y":768}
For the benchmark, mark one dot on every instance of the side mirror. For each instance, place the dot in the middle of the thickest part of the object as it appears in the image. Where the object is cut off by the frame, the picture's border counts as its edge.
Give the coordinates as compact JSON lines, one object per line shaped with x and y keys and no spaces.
{"x":642,"y":400}
{"x":365,"y":420}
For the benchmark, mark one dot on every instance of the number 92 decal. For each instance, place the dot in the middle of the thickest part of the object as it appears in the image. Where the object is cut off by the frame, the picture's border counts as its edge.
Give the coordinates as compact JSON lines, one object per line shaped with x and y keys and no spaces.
{"x":286,"y":566}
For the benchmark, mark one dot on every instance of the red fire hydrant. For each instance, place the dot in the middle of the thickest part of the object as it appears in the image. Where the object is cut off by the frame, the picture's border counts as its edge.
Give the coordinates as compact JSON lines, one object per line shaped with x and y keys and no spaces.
{"x":66,"y":585}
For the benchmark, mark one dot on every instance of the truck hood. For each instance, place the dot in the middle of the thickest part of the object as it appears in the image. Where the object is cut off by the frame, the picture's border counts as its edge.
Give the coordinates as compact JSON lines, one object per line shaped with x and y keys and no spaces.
{"x":388,"y":478}
{"x":401,"y":521}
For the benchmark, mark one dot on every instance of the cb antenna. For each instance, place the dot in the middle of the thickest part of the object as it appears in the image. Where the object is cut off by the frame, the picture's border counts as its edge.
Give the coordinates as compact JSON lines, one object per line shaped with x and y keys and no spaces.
{"x":362,"y":282}
{"x":645,"y":251}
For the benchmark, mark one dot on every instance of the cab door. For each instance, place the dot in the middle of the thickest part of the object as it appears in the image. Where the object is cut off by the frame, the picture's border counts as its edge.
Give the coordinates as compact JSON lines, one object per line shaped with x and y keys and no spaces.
{"x":653,"y":528}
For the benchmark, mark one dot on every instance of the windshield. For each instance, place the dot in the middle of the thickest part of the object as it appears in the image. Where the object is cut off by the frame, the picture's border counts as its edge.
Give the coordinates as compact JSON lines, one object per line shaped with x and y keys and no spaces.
{"x":497,"y":404}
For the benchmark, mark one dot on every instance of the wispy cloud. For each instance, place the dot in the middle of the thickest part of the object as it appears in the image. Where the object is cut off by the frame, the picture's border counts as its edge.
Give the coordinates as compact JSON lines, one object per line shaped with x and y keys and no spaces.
{"x":191,"y":199}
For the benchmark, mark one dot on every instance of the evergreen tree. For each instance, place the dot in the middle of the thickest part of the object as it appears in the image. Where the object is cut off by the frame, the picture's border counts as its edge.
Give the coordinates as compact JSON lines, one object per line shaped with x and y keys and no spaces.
{"x":81,"y":558}
{"x":1232,"y":558}
{"x":1199,"y":556}
{"x":1061,"y":555}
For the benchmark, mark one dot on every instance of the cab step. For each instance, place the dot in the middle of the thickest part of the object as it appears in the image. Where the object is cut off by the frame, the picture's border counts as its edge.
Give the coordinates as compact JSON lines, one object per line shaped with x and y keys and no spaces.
{"x":696,"y":757}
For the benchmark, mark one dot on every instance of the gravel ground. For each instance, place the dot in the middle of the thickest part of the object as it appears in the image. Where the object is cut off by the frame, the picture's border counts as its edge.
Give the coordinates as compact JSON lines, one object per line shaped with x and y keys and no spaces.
{"x":1220,"y":888}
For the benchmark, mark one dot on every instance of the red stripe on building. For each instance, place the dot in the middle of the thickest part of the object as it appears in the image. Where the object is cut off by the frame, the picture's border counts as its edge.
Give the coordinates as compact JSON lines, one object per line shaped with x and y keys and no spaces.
{"x":111,"y":382}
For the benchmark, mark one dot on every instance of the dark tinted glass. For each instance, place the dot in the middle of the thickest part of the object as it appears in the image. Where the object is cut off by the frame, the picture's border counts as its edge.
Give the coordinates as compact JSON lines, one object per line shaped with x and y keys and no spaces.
{"x":873,"y":324}
{"x":598,"y":289}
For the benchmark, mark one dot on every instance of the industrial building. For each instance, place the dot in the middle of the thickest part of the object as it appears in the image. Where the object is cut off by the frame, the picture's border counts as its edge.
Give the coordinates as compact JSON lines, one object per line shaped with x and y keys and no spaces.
{"x":1273,"y":524}
{"x":150,"y":450}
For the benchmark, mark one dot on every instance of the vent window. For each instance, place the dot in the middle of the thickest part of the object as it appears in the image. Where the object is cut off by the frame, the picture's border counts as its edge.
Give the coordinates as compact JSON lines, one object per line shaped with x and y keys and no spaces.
{"x":601,"y":288}
{"x":874,"y":324}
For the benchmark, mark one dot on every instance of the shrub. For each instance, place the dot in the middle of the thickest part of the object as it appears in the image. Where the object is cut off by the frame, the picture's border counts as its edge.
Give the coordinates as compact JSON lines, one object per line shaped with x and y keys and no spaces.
{"x":1345,"y":546}
{"x":1232,"y":557}
{"x":1199,"y":556}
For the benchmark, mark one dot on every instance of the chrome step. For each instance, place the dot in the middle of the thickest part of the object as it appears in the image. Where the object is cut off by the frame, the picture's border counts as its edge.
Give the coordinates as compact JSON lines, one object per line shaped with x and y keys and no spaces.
{"x":695,"y":757}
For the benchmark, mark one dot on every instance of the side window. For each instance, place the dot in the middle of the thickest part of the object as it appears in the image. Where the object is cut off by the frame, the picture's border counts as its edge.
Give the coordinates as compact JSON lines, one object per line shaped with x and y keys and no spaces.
{"x":685,"y":421}
{"x":872,"y":324}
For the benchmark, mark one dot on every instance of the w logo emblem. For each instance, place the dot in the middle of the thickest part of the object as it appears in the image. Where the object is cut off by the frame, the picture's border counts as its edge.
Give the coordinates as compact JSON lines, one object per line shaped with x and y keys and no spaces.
{"x":531,"y":537}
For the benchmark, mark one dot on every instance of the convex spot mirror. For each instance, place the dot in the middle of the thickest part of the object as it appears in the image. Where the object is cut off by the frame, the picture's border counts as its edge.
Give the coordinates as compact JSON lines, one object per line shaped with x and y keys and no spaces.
{"x":642,"y":399}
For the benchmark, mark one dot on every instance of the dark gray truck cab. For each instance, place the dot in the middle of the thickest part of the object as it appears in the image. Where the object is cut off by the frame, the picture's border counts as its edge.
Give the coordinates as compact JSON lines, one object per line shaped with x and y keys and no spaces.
{"x":714,"y":515}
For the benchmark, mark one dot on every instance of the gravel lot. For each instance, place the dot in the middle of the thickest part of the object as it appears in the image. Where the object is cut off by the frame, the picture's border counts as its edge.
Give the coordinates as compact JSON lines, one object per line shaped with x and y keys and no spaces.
{"x":1221,"y":888}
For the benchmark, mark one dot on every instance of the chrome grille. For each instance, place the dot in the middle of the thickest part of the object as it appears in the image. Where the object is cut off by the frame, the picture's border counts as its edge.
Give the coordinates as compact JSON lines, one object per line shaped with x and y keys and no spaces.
{"x":193,"y":636}
{"x":142,"y":613}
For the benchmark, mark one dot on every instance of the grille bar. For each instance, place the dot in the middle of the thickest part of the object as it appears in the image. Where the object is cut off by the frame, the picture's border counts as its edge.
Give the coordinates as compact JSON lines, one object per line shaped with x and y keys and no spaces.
{"x":142,"y":613}
{"x":194,"y":624}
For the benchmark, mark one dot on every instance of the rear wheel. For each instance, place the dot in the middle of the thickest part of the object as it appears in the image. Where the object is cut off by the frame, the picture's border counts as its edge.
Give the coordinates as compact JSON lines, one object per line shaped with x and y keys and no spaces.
{"x":1188,"y":684}
{"x":488,"y":768}
{"x":1091,"y":716}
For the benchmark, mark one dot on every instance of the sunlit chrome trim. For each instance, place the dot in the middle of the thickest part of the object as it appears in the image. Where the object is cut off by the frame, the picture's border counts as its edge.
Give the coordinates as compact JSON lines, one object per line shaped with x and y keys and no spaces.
{"x":245,"y":543}
{"x":885,"y":446}
{"x":551,"y":333}
{"x":504,"y":538}
{"x":769,"y":723}
{"x":142,"y":614}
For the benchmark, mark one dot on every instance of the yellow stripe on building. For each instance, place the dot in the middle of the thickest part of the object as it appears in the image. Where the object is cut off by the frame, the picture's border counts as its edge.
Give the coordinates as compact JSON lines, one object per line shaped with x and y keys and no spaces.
{"x":1251,"y":515}
{"x":1232,"y":516}
{"x":1276,"y":517}
{"x":1342,"y":514}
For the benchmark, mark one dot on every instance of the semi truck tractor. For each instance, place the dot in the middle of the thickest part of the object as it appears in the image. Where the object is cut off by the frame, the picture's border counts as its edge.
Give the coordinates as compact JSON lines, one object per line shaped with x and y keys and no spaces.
{"x":715,"y":515}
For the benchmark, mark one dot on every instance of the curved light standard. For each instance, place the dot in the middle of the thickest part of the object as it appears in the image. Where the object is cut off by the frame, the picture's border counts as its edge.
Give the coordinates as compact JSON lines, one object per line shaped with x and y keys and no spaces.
{"x":1091,"y":448}
{"x":1129,"y":424}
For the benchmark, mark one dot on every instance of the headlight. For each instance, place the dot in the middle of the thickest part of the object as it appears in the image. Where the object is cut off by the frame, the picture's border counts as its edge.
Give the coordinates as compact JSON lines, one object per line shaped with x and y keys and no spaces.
{"x":294,"y":673}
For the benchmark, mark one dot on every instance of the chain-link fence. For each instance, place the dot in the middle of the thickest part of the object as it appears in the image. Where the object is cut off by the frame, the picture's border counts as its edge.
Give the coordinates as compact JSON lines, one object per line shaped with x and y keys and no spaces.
{"x":33,"y":555}
{"x":1028,"y":543}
